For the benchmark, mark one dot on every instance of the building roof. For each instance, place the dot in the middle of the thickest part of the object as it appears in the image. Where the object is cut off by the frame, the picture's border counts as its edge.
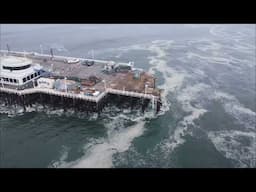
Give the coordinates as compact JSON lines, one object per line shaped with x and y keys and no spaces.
{"x":12,"y":61}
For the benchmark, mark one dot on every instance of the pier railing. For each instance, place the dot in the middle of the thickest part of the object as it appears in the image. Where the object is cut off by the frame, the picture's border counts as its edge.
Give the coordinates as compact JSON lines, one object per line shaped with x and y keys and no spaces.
{"x":54,"y":92}
{"x":35,"y":55}
{"x":79,"y":96}
{"x":130,"y":93}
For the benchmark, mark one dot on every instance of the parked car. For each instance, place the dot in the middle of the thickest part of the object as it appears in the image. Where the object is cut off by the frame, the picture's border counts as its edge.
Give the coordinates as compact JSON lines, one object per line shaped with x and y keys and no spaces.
{"x":88,"y":63}
{"x":71,"y":61}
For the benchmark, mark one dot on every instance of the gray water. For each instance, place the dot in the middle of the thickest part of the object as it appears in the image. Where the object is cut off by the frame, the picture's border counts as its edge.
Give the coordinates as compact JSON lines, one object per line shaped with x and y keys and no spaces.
{"x":207,"y":120}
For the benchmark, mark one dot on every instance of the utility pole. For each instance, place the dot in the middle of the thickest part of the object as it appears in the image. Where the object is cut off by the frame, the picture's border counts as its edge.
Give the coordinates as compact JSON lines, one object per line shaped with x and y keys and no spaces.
{"x":51,"y":52}
{"x":8,"y":48}
{"x":66,"y":88}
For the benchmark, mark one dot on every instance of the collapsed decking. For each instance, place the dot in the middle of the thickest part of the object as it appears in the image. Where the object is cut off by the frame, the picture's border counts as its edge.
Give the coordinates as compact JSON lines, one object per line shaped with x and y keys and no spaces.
{"x":95,"y":84}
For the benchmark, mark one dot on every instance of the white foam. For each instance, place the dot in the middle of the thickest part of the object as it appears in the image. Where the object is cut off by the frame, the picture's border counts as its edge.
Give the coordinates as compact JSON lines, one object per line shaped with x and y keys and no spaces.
{"x":228,"y":143}
{"x":62,"y":160}
{"x":205,"y":45}
{"x":232,"y":106}
{"x":173,"y":79}
{"x":185,"y":97}
{"x":211,"y":59}
{"x":222,"y":32}
{"x":100,"y":155}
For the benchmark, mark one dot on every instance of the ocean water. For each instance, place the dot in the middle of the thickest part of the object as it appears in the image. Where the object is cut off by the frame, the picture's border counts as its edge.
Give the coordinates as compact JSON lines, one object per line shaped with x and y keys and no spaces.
{"x":208,"y":116}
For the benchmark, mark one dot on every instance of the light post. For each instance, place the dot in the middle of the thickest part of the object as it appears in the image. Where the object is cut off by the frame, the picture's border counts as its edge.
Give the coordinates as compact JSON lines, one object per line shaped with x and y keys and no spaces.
{"x":41,"y":49}
{"x":92,"y":54}
{"x":105,"y":87}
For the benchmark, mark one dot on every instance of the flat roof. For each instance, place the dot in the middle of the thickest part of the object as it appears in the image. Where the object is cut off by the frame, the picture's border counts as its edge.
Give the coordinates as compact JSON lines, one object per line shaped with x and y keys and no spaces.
{"x":12,"y":61}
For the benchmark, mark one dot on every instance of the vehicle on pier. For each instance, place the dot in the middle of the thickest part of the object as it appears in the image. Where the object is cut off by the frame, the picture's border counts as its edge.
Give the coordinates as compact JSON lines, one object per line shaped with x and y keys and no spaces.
{"x":87,"y":63}
{"x":72,"y":61}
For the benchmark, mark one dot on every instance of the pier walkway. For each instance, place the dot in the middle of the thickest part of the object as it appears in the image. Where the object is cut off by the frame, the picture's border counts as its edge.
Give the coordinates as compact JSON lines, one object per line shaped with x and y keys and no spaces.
{"x":78,"y":96}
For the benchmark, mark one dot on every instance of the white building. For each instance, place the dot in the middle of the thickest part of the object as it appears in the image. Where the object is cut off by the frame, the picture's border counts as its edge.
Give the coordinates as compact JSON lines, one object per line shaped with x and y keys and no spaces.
{"x":18,"y":71}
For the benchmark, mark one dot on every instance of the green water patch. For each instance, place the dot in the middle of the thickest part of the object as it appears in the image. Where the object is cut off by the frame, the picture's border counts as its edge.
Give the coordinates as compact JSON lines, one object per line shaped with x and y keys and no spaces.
{"x":40,"y":136}
{"x":155,"y":131}
{"x":199,"y":153}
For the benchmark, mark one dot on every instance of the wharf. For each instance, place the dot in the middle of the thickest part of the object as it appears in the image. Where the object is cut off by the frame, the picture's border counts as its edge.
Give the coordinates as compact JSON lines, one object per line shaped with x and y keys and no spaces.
{"x":117,"y":83}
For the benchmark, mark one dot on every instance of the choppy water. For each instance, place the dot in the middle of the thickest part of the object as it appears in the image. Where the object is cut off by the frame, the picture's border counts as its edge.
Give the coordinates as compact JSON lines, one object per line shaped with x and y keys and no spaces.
{"x":209,"y":113}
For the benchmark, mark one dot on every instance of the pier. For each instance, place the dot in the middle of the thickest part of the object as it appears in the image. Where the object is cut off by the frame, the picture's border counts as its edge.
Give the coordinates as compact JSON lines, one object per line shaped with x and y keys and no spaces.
{"x":122,"y":83}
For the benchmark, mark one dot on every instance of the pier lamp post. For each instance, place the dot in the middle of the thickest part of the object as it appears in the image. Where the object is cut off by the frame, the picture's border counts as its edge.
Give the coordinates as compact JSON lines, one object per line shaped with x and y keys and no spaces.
{"x":92,"y":54}
{"x":2,"y":83}
{"x":146,"y":86}
{"x":41,"y":48}
{"x":65,"y":81}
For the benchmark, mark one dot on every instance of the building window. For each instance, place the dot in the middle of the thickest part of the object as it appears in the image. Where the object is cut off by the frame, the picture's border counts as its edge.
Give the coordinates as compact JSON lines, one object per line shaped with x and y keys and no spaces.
{"x":38,"y":72}
{"x":28,"y":77}
{"x":11,"y":80}
{"x":32,"y":76}
{"x":15,"y":80}
{"x":35,"y":74}
{"x":24,"y":80}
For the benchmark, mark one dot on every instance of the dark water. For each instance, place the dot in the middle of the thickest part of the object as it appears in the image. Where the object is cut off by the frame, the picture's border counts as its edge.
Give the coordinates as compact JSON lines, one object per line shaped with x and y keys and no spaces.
{"x":208,"y":117}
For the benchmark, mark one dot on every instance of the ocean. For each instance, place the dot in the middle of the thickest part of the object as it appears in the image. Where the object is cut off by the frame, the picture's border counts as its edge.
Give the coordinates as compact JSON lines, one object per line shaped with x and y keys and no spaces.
{"x":208,"y":115}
